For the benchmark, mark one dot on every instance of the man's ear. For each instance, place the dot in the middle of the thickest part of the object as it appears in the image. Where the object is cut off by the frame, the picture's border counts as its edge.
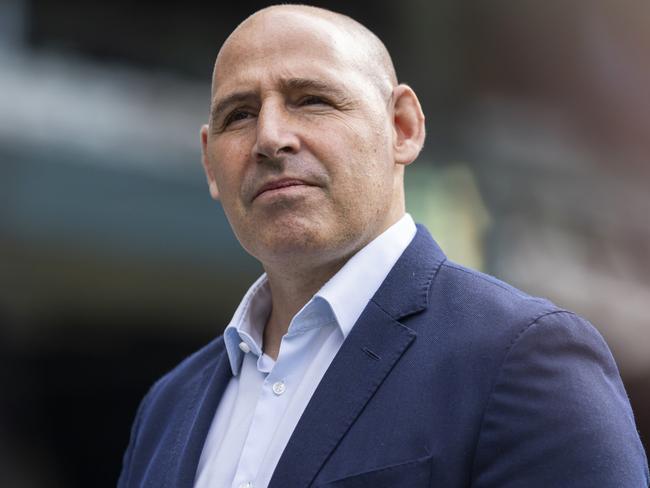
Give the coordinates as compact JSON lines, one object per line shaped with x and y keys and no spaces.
{"x":408,"y":122}
{"x":209,"y":173}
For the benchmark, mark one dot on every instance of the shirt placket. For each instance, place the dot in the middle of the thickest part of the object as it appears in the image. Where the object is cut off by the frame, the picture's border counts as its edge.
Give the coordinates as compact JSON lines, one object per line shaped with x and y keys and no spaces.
{"x":272,"y":402}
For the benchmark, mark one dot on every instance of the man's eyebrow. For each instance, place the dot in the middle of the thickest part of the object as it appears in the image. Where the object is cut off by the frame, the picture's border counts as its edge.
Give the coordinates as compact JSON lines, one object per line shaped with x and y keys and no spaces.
{"x":232,"y":99}
{"x":312,"y":84}
{"x":287,"y":85}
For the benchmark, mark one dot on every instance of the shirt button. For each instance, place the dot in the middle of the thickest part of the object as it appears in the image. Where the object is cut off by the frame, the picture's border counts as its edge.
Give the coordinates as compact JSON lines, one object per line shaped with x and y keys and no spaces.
{"x":279,"y":387}
{"x":245,"y":349}
{"x":248,"y":484}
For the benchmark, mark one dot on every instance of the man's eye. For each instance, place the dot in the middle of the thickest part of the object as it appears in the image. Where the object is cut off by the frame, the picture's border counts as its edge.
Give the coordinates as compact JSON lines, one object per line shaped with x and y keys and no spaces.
{"x":236,"y":116}
{"x":313,"y":100}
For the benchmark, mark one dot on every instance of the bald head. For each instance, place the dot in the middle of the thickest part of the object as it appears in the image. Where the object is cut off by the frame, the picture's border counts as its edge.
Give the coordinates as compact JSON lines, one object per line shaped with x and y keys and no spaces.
{"x":365,"y":49}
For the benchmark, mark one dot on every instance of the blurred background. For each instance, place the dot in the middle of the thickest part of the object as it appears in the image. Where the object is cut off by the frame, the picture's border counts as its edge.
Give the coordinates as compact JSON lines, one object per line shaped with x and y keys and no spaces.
{"x":115,"y":263}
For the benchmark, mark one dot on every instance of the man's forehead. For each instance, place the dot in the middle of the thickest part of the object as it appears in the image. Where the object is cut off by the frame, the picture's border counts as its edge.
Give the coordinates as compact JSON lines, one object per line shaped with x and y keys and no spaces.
{"x":273,"y":70}
{"x":283,"y":34}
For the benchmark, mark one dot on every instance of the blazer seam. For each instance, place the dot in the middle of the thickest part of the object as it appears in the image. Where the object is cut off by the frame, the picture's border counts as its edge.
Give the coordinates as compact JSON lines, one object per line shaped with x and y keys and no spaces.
{"x":385,"y":469}
{"x":492,"y":280}
{"x":498,"y":376}
{"x":443,"y":262}
{"x":427,"y":286}
{"x":425,"y":293}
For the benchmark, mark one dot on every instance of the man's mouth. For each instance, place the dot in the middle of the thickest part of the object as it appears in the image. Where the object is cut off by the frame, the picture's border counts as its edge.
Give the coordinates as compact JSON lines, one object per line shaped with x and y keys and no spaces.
{"x":280,"y":184}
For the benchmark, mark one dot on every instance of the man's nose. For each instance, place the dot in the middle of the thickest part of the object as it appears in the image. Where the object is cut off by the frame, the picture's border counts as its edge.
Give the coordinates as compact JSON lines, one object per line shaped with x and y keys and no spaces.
{"x":275,"y":133}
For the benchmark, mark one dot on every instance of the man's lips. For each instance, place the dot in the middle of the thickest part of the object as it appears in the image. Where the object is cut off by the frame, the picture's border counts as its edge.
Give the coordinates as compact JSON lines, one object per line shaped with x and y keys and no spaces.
{"x":278,"y":184}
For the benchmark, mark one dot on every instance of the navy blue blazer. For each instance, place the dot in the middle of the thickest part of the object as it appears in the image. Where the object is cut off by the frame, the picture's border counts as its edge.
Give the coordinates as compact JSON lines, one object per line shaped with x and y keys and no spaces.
{"x":450,"y":378}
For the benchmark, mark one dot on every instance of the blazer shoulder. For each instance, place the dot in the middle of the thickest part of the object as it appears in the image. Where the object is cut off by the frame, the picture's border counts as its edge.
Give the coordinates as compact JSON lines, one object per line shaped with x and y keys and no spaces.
{"x":163,"y":413}
{"x":191,"y":368}
{"x":482,"y":294}
{"x":479,"y":314}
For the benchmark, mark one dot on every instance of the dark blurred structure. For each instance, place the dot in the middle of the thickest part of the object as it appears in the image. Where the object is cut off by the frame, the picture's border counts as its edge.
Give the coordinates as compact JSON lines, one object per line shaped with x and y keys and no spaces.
{"x":115,"y":264}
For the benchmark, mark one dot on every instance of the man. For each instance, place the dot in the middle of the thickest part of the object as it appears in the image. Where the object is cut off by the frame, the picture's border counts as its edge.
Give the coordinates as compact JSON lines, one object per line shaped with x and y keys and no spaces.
{"x":363,"y":357}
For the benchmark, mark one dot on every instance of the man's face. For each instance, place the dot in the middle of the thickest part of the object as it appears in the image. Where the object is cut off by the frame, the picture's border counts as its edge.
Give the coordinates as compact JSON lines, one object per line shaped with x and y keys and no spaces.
{"x":299,"y":147}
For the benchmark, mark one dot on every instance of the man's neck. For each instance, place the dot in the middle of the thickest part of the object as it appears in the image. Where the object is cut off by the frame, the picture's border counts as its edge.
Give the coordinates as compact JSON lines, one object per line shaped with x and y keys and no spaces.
{"x":291,"y":289}
{"x":294,"y":281}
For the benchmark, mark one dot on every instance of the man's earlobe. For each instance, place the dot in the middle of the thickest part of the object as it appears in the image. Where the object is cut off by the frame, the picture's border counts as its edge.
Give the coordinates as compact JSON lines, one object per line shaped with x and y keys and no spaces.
{"x":408,"y":123}
{"x":209,"y":173}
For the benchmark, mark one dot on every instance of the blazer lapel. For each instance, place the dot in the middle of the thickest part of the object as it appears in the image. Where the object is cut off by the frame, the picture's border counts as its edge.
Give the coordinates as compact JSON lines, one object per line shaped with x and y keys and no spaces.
{"x":371,"y":350}
{"x":373,"y":347}
{"x":199,"y":416}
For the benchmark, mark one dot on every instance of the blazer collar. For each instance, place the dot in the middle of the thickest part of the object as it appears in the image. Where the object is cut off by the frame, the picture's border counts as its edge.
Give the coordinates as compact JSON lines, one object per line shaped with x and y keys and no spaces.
{"x":406,"y":288}
{"x":373,"y":348}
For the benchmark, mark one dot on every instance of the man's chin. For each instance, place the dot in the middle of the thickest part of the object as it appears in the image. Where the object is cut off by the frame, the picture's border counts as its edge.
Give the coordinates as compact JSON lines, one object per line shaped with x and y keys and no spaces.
{"x":289,"y":244}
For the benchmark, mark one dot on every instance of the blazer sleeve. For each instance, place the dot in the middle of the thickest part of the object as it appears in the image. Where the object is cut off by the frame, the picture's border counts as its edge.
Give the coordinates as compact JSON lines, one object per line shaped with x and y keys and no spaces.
{"x":558,"y":414}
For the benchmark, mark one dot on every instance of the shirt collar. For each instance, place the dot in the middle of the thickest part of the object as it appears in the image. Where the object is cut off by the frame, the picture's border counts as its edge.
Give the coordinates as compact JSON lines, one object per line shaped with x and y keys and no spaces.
{"x":248,"y":322}
{"x":341,"y":300}
{"x":349,"y":291}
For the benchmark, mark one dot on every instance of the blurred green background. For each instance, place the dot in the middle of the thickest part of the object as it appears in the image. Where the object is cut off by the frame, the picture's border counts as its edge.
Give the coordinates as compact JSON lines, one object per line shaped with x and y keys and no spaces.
{"x":115,"y":263}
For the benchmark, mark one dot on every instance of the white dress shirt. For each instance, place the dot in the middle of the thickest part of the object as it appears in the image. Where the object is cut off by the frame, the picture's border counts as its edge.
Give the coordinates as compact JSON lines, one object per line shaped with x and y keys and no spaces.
{"x":265,"y":399}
